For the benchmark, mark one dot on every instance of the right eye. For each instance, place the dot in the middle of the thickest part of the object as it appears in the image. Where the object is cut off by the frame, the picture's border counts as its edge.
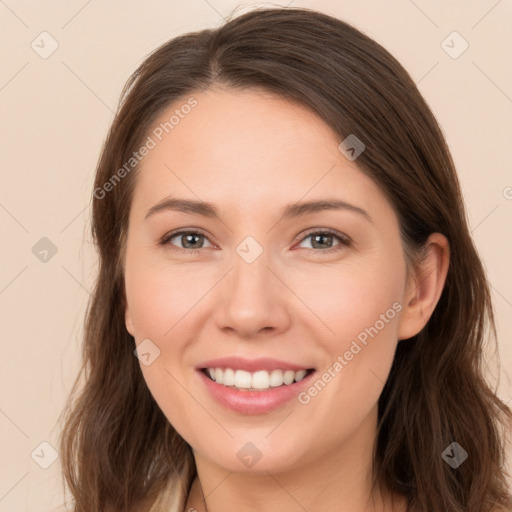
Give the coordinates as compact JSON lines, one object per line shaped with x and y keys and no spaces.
{"x":189,"y":239}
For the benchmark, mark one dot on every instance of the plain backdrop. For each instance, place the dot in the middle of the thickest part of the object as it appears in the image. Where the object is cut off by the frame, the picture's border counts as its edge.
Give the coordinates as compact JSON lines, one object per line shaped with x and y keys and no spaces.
{"x":63,"y":68}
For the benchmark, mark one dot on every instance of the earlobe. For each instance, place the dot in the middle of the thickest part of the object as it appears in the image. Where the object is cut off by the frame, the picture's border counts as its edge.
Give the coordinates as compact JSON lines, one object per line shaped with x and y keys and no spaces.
{"x":129,"y":323}
{"x":425,"y":286}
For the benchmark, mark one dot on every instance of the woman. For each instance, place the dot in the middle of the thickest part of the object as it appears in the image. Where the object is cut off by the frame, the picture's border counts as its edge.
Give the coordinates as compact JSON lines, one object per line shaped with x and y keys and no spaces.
{"x":232,"y":360}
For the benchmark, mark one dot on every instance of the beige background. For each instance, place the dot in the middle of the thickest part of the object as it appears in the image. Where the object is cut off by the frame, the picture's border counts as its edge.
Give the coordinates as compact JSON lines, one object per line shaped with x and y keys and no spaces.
{"x":55,"y":113}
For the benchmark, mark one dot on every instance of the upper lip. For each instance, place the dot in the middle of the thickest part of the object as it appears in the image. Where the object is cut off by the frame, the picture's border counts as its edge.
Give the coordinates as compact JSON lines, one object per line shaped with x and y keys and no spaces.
{"x":251,"y":365}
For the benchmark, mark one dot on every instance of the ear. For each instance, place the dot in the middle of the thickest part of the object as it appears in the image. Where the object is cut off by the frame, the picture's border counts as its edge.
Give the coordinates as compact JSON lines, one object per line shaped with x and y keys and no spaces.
{"x":129,"y":322}
{"x":424,"y":287}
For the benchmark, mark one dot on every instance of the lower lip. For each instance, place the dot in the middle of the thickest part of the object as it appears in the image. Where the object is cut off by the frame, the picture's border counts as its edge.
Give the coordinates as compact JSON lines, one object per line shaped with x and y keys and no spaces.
{"x":254,"y":402}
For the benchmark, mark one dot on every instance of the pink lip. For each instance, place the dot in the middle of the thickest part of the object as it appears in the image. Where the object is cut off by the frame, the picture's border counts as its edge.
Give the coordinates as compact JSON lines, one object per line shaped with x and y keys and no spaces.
{"x":251,"y":365}
{"x":254,"y":402}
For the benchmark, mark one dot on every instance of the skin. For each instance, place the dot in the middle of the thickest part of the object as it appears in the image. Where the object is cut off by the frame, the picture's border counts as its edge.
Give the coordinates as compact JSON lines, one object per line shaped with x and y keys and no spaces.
{"x":251,"y":153}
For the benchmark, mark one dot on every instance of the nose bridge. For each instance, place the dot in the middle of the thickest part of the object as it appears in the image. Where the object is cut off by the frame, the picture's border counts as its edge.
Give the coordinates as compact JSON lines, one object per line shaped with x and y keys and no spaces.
{"x":251,"y":291}
{"x":251,"y":278}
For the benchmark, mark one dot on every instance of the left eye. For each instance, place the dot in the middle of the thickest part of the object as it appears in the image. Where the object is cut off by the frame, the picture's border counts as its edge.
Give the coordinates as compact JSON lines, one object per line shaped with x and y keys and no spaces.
{"x":192,"y":240}
{"x":318,"y":239}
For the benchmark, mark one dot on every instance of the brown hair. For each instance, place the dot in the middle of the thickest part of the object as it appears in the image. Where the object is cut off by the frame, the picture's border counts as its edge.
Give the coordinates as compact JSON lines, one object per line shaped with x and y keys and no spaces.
{"x":118,"y":448}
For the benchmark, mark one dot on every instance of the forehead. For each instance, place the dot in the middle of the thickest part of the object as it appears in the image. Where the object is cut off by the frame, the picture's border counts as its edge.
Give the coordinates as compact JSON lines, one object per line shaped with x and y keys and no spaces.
{"x":247,"y":147}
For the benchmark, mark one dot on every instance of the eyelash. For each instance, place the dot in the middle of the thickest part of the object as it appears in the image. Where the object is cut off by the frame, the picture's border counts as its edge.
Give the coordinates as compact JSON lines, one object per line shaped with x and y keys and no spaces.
{"x":343,"y":239}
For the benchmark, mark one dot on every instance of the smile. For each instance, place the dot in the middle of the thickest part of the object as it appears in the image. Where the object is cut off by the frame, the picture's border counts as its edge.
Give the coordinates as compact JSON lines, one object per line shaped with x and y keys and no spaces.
{"x":255,"y":381}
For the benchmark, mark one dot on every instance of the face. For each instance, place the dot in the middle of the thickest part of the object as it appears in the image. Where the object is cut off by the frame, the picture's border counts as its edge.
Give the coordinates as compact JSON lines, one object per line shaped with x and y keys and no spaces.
{"x":314,"y":288}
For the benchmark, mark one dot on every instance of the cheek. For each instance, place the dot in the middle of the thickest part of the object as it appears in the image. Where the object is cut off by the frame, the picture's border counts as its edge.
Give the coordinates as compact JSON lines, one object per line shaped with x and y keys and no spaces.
{"x":359,"y":307}
{"x":160,"y":296}
{"x":161,"y":302}
{"x":351,"y":297}
{"x":168,"y":386}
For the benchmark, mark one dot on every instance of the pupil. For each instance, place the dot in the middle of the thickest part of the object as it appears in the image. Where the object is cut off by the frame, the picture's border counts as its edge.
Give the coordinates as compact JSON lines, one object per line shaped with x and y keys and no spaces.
{"x":188,"y":237}
{"x":321,"y":237}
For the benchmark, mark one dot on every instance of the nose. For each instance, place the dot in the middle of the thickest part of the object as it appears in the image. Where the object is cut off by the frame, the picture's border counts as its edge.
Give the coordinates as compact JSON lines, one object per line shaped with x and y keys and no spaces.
{"x":253,"y":300}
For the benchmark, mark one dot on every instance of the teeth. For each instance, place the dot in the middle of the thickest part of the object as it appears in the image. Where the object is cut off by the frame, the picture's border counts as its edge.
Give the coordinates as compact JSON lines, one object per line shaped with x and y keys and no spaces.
{"x":300,"y":375}
{"x":228,"y":377}
{"x":242,"y":379}
{"x":288,"y":376}
{"x":259,"y":380}
{"x":276,"y":378}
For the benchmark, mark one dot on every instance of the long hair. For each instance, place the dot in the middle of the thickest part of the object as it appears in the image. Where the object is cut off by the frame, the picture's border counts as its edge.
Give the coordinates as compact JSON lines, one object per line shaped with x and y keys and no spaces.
{"x":117,"y":447}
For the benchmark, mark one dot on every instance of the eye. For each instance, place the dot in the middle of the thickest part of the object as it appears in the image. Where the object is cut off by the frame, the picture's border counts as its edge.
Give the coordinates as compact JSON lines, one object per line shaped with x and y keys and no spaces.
{"x":323,"y":240}
{"x":191,"y":240}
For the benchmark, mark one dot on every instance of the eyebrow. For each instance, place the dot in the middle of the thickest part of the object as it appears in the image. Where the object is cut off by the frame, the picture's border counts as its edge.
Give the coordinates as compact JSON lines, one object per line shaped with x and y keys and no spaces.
{"x":290,"y":211}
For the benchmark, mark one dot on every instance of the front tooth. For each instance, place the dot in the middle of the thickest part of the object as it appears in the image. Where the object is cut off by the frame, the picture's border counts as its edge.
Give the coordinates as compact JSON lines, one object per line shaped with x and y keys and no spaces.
{"x":228,"y":379}
{"x":260,"y":380}
{"x":300,"y":375}
{"x":242,"y":379}
{"x":288,"y":376}
{"x":276,"y":378}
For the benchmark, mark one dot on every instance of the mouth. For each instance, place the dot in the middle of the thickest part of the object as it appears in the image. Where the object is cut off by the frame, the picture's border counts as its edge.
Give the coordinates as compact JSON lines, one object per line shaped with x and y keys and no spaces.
{"x":255,"y":385}
{"x":255,"y":392}
{"x":262,"y":380}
